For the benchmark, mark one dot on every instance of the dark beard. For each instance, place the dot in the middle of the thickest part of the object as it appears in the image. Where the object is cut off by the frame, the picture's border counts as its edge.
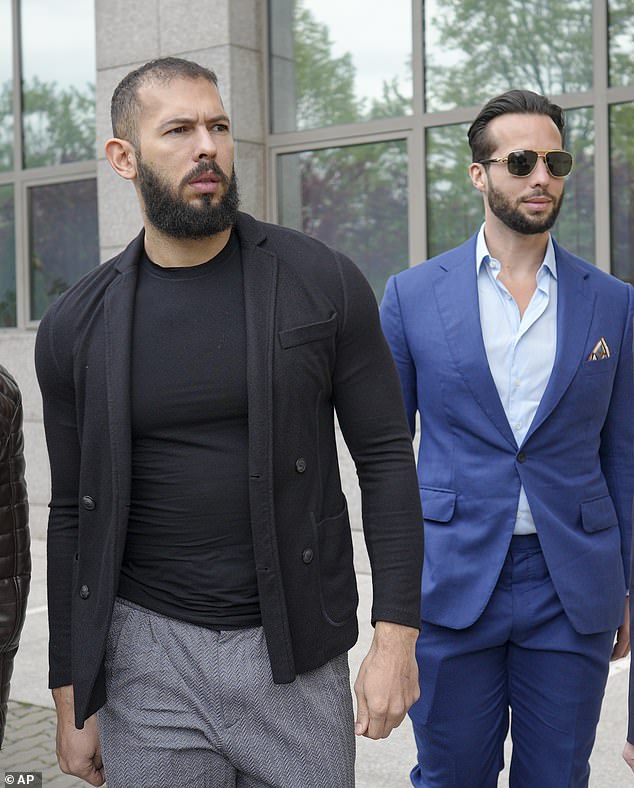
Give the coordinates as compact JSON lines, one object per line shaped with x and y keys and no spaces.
{"x":173,"y":216}
{"x":515,"y":219}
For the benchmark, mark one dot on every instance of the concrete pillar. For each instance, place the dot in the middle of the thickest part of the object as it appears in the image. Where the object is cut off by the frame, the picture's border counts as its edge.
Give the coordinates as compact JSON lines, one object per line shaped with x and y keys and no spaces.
{"x":225,"y":35}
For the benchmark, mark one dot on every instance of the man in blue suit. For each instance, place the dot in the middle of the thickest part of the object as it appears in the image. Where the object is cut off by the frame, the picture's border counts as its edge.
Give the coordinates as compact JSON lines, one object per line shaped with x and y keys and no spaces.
{"x":518,"y":357}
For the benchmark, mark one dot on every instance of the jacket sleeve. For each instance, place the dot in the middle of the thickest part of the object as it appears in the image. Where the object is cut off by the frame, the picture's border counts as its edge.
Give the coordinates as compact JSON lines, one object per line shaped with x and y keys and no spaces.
{"x":55,"y":376}
{"x":392,"y":322}
{"x":369,"y":406}
{"x":15,"y":556}
{"x":617,"y":439}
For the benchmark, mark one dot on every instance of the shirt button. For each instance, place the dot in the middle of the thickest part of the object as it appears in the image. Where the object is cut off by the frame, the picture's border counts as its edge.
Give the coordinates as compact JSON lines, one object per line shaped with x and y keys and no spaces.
{"x":307,"y":555}
{"x":84,"y":592}
{"x":517,"y":426}
{"x":88,"y":503}
{"x":521,"y":457}
{"x":300,"y":465}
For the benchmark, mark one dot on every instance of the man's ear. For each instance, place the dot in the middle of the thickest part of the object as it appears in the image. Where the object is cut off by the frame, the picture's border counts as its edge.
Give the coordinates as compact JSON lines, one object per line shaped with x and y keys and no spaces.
{"x":478,"y":175}
{"x":122,"y":157}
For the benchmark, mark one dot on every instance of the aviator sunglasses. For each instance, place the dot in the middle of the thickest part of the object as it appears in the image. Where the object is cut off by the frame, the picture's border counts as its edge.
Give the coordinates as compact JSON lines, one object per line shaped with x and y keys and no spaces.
{"x":522,"y":162}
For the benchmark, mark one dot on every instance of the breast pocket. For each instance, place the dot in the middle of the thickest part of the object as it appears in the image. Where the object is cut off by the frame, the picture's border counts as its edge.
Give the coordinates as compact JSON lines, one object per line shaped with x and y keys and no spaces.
{"x":311,"y":332}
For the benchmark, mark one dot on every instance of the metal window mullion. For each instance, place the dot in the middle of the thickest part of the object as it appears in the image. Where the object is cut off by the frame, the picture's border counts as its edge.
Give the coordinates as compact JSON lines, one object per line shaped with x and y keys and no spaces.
{"x":19,"y":190}
{"x":602,"y":135}
{"x":416,"y":158}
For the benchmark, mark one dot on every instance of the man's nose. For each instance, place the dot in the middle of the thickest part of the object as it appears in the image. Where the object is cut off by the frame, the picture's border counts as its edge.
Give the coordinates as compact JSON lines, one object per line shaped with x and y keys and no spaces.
{"x":541,"y":173}
{"x":205,"y":145}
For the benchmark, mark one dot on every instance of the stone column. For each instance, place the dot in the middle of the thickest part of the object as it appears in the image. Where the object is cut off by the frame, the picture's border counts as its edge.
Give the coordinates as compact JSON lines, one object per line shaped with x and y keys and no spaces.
{"x":225,"y":35}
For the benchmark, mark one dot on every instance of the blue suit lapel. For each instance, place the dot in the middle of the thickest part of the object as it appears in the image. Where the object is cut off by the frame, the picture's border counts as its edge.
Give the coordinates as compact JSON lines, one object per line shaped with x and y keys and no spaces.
{"x":457,"y":297}
{"x":575,"y":307}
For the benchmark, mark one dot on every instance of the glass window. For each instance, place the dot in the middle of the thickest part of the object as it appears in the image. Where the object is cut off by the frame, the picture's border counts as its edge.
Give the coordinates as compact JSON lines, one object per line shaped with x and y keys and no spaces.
{"x":63,"y":241}
{"x":621,"y":198}
{"x":575,"y":226}
{"x":353,"y":198}
{"x":476,"y":50}
{"x":323,"y":72}
{"x":7,"y":258}
{"x":621,"y":38}
{"x":59,"y":110}
{"x":6,"y":87}
{"x":454,"y":207}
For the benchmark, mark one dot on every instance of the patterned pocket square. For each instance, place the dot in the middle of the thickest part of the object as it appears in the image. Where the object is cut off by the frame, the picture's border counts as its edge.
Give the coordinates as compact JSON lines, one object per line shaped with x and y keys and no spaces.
{"x":600,"y":351}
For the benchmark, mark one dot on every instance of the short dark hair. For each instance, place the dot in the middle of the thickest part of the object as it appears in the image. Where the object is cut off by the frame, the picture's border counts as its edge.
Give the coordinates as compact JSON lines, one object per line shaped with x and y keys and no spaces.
{"x":125,"y":105}
{"x":514,"y":101}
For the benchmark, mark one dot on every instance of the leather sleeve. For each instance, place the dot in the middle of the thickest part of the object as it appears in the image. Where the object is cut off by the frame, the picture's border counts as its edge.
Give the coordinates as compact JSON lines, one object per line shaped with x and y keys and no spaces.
{"x":15,"y":556}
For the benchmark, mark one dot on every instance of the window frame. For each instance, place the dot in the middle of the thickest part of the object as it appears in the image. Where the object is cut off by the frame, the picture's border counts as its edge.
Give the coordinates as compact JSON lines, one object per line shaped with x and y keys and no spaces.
{"x":23,"y":179}
{"x":413,"y":128}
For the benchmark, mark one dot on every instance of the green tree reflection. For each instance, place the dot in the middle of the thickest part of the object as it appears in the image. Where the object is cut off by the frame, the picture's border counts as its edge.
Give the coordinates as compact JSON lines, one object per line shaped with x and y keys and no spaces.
{"x":353,"y":198}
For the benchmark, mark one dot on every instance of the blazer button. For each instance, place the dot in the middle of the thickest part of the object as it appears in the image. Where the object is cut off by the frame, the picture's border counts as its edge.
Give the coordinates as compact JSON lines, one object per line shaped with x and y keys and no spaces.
{"x":84,"y":592}
{"x":307,"y":555}
{"x":88,"y":503}
{"x":521,"y":457}
{"x":300,"y":465}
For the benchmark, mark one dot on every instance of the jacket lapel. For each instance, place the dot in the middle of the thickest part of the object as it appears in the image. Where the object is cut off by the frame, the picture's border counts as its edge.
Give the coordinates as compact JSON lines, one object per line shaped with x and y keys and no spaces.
{"x":260,"y":278}
{"x":457,"y":297}
{"x":575,"y":307}
{"x":118,"y":318}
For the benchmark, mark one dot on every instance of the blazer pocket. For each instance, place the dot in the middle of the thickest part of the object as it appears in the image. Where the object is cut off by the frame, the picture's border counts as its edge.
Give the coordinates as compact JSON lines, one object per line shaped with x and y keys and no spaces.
{"x":312,"y":332}
{"x":600,"y":367}
{"x":438,"y":504}
{"x":598,"y":514}
{"x":337,"y":579}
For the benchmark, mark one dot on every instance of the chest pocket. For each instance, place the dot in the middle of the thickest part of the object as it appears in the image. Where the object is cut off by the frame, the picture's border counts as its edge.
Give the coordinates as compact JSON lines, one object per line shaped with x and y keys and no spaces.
{"x":311,"y":332}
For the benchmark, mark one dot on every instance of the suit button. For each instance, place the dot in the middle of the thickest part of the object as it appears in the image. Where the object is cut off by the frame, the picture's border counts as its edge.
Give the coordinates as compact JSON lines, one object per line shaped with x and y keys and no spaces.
{"x":300,"y":465}
{"x":521,"y":457}
{"x":84,"y":592}
{"x":307,"y":555}
{"x":88,"y":503}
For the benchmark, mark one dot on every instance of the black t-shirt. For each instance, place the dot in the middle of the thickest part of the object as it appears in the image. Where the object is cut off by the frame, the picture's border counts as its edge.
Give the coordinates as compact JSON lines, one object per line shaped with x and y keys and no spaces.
{"x":189,"y":549}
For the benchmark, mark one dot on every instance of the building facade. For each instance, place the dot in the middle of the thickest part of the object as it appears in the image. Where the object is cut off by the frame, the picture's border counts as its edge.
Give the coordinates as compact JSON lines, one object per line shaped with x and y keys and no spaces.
{"x":350,"y":122}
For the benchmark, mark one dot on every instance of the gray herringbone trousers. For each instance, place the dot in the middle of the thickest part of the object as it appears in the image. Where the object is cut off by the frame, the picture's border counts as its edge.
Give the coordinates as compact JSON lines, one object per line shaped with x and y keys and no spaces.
{"x":196,"y":708}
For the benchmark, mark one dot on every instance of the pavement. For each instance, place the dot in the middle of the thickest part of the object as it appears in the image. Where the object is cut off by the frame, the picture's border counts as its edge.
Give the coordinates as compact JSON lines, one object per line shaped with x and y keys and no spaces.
{"x":30,"y":735}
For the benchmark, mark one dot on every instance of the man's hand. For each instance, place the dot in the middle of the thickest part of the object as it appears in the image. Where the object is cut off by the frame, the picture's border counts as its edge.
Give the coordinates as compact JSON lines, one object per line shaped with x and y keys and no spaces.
{"x":387,"y":684}
{"x":78,"y":751}
{"x":628,"y":755}
{"x":622,"y":645}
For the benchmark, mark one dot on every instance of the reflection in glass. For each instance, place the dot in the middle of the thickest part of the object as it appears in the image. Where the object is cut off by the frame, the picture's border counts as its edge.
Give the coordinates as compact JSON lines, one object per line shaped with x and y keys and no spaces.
{"x":621,"y":198}
{"x":63,"y":239}
{"x":575,"y":226}
{"x":354,"y":199}
{"x":59,"y":112}
{"x":6,"y":87}
{"x":454,"y":207}
{"x":543,"y":47}
{"x":323,"y":72}
{"x":621,"y":41}
{"x":7,"y":258}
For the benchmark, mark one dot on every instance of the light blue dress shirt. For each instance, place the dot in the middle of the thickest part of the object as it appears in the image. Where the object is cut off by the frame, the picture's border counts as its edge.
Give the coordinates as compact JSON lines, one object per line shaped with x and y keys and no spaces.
{"x":520,"y":351}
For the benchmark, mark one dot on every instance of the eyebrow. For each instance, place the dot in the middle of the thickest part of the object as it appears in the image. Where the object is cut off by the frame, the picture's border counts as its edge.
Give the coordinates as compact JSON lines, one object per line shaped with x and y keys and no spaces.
{"x":184,"y":121}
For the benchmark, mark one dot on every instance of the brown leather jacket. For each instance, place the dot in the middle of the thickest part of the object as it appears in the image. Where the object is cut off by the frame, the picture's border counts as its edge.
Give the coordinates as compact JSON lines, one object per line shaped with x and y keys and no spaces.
{"x":15,"y":556}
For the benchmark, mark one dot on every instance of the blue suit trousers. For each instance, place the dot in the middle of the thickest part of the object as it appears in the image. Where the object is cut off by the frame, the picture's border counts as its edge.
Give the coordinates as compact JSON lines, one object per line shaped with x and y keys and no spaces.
{"x":521,"y":655}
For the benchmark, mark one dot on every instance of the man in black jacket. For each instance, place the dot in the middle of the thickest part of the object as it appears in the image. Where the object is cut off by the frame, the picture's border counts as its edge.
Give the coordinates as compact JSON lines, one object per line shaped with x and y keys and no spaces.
{"x":15,"y":555}
{"x":201,"y":586}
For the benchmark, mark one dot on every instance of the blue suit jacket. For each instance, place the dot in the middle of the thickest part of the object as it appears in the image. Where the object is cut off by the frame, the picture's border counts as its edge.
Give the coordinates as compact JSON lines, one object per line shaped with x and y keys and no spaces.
{"x":576,"y":462}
